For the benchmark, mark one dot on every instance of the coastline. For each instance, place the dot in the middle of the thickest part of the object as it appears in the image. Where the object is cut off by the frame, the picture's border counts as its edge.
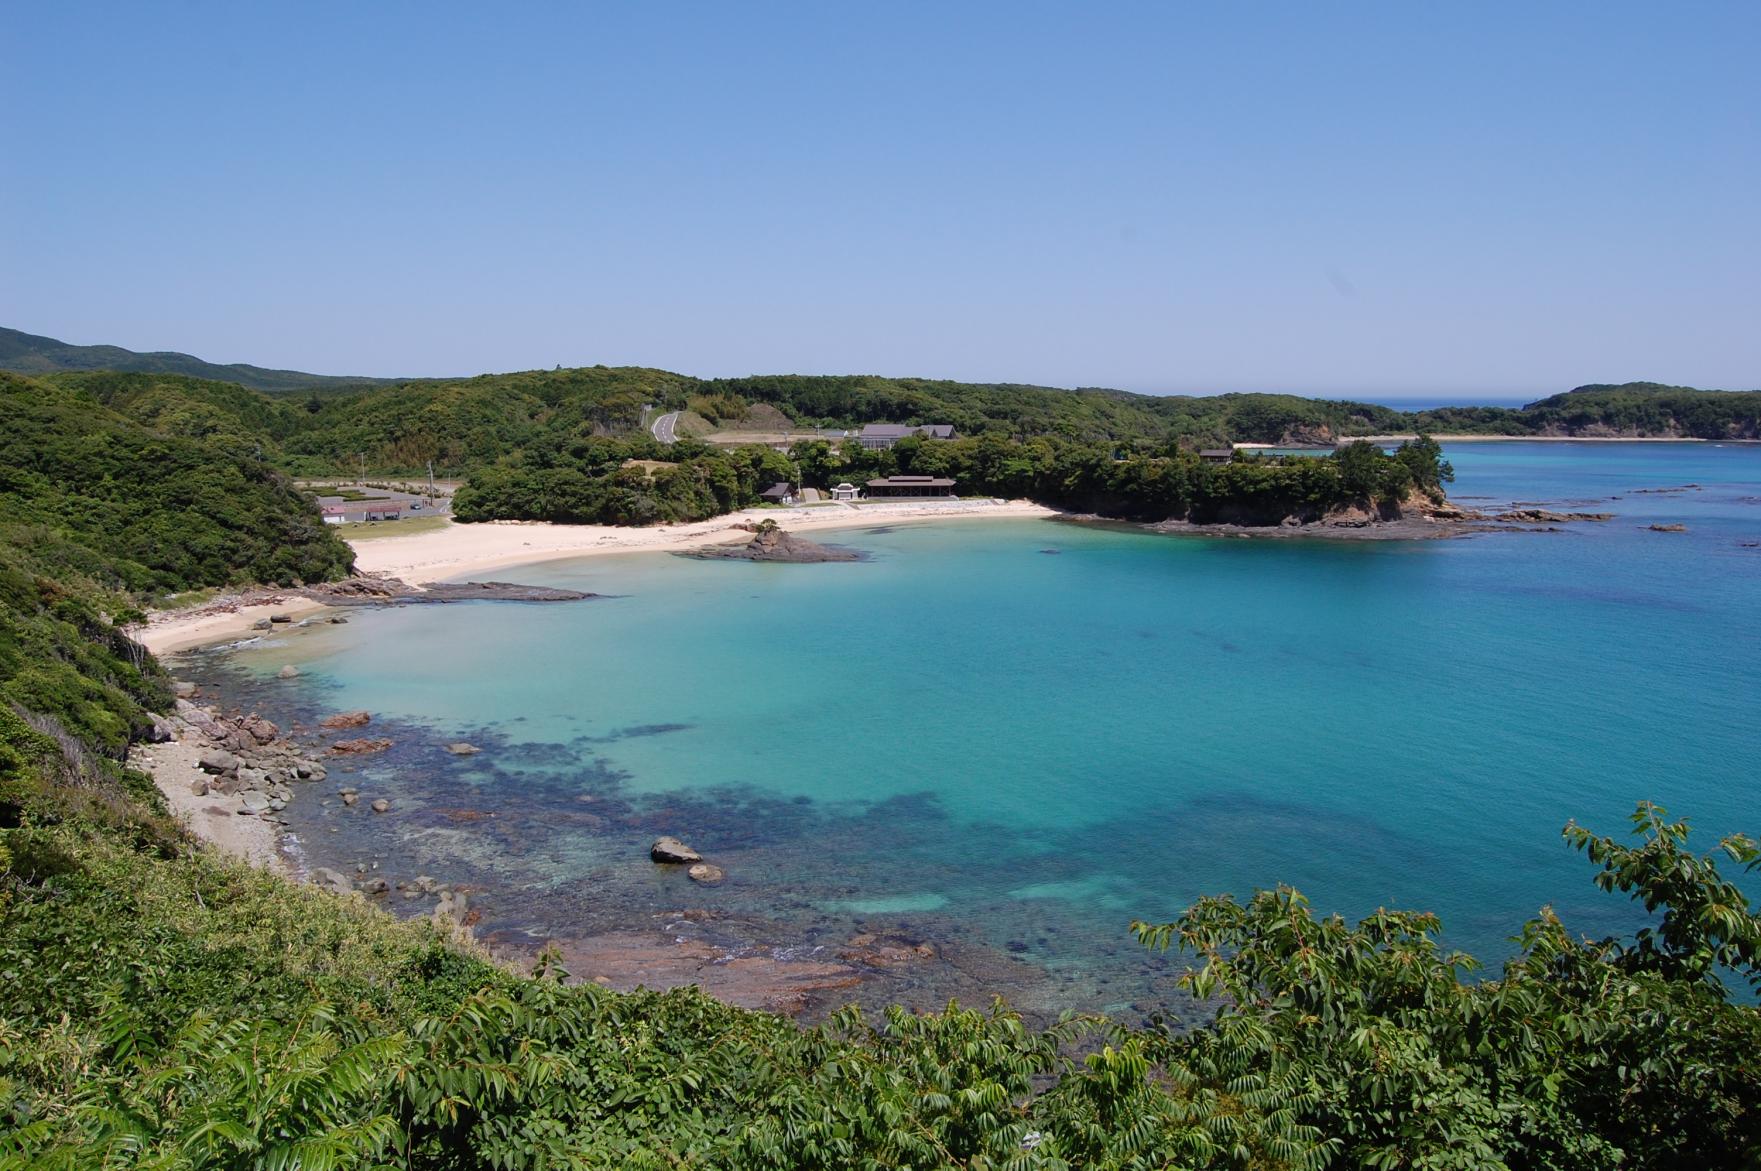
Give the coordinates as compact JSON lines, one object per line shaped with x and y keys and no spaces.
{"x":1523,"y":439}
{"x":227,"y":618}
{"x":460,"y":549}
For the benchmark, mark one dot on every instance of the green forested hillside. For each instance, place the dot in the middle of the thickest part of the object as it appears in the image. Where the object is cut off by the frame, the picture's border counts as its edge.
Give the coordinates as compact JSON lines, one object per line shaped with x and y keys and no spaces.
{"x":1648,"y":408}
{"x":100,"y":515}
{"x":465,"y":425}
{"x":160,"y":511}
{"x":28,"y":353}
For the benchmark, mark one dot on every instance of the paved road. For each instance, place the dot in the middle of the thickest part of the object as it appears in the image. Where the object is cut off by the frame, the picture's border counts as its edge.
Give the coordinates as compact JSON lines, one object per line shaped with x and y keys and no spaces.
{"x":663,"y":427}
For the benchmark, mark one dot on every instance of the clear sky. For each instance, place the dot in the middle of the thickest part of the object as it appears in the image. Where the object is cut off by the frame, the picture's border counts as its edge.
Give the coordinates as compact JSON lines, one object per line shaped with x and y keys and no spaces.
{"x":1329,"y":198}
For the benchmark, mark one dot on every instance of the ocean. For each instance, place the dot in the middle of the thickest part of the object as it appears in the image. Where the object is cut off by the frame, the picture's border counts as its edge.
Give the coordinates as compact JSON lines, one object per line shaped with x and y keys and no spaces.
{"x":1009,"y":739}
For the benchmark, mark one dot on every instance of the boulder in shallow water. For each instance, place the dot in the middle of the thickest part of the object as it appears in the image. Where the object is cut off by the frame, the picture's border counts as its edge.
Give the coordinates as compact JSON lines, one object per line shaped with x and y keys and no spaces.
{"x":381,"y":806}
{"x":332,"y":880}
{"x":346,"y":720}
{"x":707,"y":874}
{"x":463,"y":749}
{"x":672,"y":850}
{"x":350,"y":798}
{"x":259,"y":729}
{"x":360,"y":747}
{"x":288,"y":672}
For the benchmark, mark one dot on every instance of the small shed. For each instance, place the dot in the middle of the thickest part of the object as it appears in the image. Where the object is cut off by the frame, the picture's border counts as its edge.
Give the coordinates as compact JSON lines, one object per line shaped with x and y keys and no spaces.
{"x":845,"y":491}
{"x":778,"y":493}
{"x":1217,"y":455}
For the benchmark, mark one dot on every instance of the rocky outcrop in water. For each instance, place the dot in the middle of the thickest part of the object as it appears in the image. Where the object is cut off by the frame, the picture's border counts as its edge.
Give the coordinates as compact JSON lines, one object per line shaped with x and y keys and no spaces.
{"x":1542,"y":516}
{"x":360,"y":747}
{"x":771,"y":543}
{"x":672,"y":850}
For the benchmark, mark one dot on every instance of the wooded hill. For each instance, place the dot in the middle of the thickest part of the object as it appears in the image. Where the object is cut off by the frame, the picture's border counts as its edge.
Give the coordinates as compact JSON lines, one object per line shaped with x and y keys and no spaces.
{"x":330,"y":426}
{"x":29,"y":353}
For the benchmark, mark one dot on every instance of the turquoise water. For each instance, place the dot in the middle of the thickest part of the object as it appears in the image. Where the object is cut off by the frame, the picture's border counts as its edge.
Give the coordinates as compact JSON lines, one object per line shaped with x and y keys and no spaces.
{"x":1014,"y":737}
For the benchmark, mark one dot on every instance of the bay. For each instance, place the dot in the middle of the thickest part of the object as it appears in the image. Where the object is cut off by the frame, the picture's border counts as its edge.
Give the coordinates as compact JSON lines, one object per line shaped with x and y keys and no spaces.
{"x":1012,"y":738}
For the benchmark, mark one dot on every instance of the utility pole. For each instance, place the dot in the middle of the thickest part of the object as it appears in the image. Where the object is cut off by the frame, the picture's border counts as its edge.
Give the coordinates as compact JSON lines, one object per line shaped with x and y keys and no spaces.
{"x":363,"y":458}
{"x":430,"y":483}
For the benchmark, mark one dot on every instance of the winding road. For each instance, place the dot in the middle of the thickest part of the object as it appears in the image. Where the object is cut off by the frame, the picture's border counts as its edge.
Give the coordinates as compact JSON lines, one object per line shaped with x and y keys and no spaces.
{"x":663,"y":427}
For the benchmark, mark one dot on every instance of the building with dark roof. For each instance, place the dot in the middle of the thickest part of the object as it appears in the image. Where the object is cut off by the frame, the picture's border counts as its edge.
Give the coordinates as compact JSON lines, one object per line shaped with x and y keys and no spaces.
{"x":778,"y":493}
{"x":878,"y":436}
{"x":910,"y":486}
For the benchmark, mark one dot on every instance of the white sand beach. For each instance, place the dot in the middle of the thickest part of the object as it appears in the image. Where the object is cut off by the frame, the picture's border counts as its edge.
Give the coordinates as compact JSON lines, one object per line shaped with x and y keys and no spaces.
{"x":459,"y":550}
{"x":219,"y":621}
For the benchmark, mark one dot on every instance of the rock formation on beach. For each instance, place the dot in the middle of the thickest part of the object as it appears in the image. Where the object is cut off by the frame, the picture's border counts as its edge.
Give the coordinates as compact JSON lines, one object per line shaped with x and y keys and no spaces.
{"x":770,"y":542}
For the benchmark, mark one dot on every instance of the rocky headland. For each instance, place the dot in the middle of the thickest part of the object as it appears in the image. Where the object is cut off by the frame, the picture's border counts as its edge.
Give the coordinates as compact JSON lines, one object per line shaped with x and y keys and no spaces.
{"x":1417,"y":518}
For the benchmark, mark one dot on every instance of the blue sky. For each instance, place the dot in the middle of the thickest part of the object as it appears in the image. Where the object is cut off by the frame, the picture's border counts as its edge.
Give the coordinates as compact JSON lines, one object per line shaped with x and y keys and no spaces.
{"x":1339,"y":199}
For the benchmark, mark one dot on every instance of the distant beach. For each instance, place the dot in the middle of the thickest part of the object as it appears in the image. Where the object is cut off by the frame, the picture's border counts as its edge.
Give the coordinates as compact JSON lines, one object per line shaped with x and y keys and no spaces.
{"x":457,"y":550}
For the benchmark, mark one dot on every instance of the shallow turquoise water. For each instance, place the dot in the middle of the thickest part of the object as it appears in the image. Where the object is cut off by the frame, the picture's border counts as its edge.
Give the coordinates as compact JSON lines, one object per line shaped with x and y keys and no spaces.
{"x":1024,"y":734}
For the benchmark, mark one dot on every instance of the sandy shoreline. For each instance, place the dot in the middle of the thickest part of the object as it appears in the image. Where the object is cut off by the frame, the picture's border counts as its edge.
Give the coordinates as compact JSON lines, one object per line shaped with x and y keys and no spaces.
{"x":184,"y":630}
{"x":478,"y":548}
{"x":464,"y":550}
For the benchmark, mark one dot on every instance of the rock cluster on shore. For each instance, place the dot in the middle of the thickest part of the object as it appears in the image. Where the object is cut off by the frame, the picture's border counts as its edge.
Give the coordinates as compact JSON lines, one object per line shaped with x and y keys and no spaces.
{"x":244,"y":756}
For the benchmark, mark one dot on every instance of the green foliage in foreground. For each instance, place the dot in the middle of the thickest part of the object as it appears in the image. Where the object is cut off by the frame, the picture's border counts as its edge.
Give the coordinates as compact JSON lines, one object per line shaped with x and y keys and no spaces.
{"x":162,"y":1008}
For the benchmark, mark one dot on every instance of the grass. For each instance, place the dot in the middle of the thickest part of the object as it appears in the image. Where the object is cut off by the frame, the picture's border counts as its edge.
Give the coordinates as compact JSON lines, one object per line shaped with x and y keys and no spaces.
{"x":188,"y":598}
{"x":367,"y":530}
